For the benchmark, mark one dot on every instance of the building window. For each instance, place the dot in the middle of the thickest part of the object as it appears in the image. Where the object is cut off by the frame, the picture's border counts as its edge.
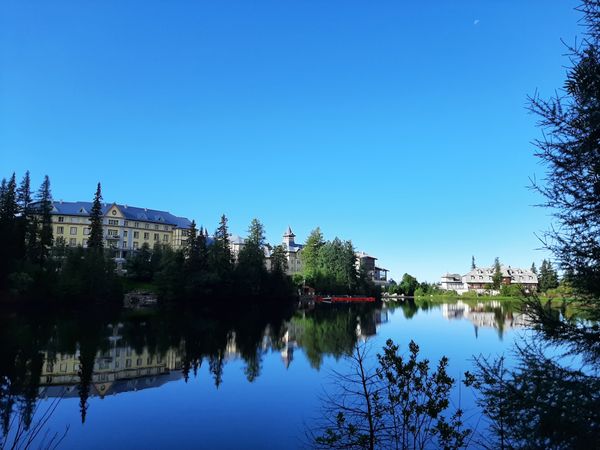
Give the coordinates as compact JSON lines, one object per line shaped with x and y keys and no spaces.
{"x":125,"y":233}
{"x":146,"y":226}
{"x":60,"y":230}
{"x":135,"y":245}
{"x":124,"y":244}
{"x":86,"y":231}
{"x":72,"y":242}
{"x":113,"y":232}
{"x":165,"y":238}
{"x":84,"y":242}
{"x":136,"y":234}
{"x":113,"y":221}
{"x":61,"y":219}
{"x":166,"y":228}
{"x":128,"y":363}
{"x":117,"y":364}
{"x":137,"y":224}
{"x":156,"y":236}
{"x":73,"y":231}
{"x":138,"y":362}
{"x":146,"y":236}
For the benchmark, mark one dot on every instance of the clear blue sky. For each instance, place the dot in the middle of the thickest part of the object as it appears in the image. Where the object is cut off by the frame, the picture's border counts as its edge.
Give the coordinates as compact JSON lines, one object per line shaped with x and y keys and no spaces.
{"x":398,"y":125}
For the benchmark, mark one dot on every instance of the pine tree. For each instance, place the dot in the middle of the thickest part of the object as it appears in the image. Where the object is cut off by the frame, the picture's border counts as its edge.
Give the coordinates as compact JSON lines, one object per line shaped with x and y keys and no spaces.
{"x":473,"y":266}
{"x":221,"y":259}
{"x":497,"y":277}
{"x":27,"y":224}
{"x":533,"y":268}
{"x":45,"y":240}
{"x":9,"y":201}
{"x":310,"y":255}
{"x":570,"y":150}
{"x":96,"y":240}
{"x":279,"y":263}
{"x":251,"y":269}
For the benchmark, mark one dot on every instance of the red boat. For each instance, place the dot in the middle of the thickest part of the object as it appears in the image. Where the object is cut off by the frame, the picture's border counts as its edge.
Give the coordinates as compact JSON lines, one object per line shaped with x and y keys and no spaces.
{"x":344,"y":299}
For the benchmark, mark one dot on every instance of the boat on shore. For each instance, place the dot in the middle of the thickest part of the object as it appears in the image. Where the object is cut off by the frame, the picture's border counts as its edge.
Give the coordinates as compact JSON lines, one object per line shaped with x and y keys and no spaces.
{"x":343,"y":299}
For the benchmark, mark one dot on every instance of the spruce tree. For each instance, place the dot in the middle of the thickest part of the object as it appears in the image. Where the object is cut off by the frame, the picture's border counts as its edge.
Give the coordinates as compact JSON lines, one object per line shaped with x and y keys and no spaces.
{"x":570,"y":151}
{"x":95,"y":240}
{"x":26,"y":222}
{"x":473,"y":266}
{"x":497,"y":276}
{"x":45,"y":241}
{"x":310,"y":255}
{"x":279,"y":263}
{"x":9,"y":201}
{"x":533,"y":268}
{"x":24,"y":194}
{"x":221,"y":258}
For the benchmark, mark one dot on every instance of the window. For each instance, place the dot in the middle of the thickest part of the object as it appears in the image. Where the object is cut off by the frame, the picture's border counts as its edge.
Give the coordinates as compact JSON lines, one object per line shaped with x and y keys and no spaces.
{"x":72,"y":242}
{"x":113,"y":232}
{"x":84,"y":242}
{"x":136,"y":234}
{"x":135,"y":245}
{"x":138,"y":362}
{"x":117,"y":364}
{"x":60,"y":230}
{"x":146,"y":226}
{"x":126,"y":223}
{"x":156,"y":236}
{"x":165,"y":238}
{"x":73,"y":231}
{"x":137,"y":224}
{"x":156,"y":227}
{"x":113,"y":221}
{"x":61,"y":219}
{"x":146,"y":236}
{"x":166,"y":228}
{"x":124,"y":244}
{"x":128,"y":363}
{"x":86,"y":231}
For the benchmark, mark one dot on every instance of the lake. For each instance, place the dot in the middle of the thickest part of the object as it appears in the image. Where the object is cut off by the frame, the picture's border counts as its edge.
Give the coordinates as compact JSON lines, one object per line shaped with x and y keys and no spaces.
{"x":241,"y":377}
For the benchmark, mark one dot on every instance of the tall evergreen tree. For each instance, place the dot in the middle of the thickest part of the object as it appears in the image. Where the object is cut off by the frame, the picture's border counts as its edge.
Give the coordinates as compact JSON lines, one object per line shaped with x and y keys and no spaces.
{"x":497,"y":276}
{"x":310,"y":255}
{"x":9,"y":202}
{"x":95,"y":240}
{"x":533,"y":268}
{"x":221,"y":258}
{"x":251,"y":259}
{"x":473,"y":266}
{"x":279,"y":263}
{"x":24,"y":194}
{"x":27,"y":225}
{"x":44,"y":200}
{"x":570,"y":150}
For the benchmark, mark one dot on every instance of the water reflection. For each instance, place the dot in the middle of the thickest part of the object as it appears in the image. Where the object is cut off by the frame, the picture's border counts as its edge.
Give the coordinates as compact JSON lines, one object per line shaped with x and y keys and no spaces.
{"x":92,"y":354}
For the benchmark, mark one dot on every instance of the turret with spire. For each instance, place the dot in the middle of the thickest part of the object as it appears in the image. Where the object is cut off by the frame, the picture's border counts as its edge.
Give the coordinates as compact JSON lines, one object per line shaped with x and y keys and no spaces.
{"x":288,"y":237}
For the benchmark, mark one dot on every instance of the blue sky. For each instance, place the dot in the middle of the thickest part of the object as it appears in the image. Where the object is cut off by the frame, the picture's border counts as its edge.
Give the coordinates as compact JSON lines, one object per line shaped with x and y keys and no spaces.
{"x":398,"y":125}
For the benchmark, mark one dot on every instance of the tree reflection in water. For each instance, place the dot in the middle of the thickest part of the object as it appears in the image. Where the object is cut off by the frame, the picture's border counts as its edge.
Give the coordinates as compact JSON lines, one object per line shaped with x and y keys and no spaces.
{"x":95,"y":353}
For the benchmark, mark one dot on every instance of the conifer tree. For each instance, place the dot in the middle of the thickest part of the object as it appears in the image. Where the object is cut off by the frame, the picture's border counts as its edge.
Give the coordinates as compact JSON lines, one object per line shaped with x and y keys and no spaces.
{"x":45,"y":240}
{"x":9,"y":202}
{"x":24,"y":194}
{"x":497,"y":276}
{"x":473,"y":266}
{"x":310,"y":254}
{"x":279,"y":263}
{"x":570,"y":151}
{"x":533,"y":268}
{"x":95,"y":240}
{"x":220,"y":252}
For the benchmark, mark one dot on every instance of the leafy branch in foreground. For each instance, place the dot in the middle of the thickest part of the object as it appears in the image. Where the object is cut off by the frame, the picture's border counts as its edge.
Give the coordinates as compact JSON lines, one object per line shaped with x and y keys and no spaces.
{"x":400,"y":404}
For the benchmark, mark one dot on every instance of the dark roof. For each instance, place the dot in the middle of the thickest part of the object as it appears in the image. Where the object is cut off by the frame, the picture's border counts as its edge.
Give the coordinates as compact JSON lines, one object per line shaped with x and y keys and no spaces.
{"x":130,"y":213}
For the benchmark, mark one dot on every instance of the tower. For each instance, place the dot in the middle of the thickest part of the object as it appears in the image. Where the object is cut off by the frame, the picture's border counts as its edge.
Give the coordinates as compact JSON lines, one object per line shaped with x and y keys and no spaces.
{"x":288,"y":237}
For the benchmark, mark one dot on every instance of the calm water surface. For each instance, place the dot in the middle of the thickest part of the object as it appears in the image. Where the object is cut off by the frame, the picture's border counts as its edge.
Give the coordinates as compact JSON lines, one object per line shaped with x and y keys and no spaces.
{"x":248,"y":378}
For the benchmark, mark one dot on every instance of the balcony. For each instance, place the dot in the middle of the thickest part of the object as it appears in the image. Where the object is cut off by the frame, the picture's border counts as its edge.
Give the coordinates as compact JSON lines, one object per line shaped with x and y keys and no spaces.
{"x":112,"y":237}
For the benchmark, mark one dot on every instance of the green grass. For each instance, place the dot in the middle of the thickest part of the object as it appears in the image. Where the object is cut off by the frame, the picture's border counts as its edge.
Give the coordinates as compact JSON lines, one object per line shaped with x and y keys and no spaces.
{"x":133,"y":285}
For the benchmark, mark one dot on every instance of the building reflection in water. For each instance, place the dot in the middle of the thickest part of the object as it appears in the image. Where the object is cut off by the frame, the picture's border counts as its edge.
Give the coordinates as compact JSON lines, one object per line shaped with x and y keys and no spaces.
{"x":119,"y":367}
{"x":485,"y":315}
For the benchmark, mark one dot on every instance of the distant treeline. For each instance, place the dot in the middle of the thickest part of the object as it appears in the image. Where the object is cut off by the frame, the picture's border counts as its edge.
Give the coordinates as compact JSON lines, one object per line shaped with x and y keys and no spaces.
{"x":35,"y":265}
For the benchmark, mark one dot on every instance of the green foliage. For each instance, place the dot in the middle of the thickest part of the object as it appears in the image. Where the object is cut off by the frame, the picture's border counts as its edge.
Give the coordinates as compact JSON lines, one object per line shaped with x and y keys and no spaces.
{"x":400,"y":404}
{"x":279,"y":263}
{"x":568,"y":148}
{"x":497,"y":276}
{"x":548,"y":278}
{"x":512,"y":290}
{"x":95,"y":239}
